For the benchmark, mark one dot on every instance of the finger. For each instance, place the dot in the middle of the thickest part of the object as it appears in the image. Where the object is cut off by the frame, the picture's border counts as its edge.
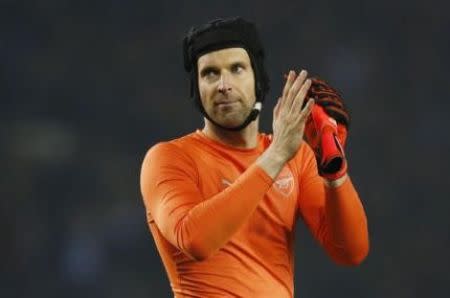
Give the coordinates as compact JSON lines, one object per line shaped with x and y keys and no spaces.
{"x":280,"y":105}
{"x":304,"y":114}
{"x":300,"y":97}
{"x":288,"y":84}
{"x":276,"y":110}
{"x":296,"y":86}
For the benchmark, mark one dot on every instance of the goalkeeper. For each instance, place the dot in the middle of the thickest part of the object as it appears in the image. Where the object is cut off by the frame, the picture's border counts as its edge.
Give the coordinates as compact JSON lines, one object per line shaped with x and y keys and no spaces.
{"x":222,"y":202}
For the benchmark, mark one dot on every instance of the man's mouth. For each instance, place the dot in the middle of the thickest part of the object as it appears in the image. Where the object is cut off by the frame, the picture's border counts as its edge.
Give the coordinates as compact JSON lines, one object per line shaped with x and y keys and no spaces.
{"x":228,"y":105}
{"x":226,"y":102}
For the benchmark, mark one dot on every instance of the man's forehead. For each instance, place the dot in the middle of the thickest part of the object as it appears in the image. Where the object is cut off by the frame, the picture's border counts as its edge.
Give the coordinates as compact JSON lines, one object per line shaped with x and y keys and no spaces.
{"x":228,"y":55}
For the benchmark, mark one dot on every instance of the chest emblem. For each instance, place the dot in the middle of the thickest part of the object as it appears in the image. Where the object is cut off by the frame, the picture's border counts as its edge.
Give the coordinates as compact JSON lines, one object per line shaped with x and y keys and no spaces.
{"x":284,"y":183}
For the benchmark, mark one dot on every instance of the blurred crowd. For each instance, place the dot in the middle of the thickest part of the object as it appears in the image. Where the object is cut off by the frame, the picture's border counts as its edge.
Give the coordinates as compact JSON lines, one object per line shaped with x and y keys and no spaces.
{"x":88,"y":86}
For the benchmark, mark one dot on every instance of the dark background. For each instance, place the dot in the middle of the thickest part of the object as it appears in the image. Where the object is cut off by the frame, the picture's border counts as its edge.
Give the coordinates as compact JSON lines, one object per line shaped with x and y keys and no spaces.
{"x":86,"y":87}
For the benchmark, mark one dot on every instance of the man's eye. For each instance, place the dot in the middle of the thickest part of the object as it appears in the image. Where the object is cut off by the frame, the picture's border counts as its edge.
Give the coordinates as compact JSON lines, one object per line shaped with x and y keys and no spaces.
{"x":209,"y":73}
{"x":237,"y":68}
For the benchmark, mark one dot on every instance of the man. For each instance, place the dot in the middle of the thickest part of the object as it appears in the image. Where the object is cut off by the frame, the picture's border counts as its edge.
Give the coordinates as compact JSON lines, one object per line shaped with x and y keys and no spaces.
{"x":222,"y":202}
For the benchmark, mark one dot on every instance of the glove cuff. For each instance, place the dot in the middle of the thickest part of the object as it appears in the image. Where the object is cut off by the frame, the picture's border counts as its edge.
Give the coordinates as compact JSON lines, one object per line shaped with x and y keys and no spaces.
{"x":332,"y":164}
{"x":334,"y":176}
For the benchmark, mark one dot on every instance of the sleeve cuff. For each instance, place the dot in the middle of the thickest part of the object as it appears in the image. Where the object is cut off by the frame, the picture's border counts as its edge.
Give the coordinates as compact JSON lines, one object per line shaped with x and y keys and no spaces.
{"x":263,"y":175}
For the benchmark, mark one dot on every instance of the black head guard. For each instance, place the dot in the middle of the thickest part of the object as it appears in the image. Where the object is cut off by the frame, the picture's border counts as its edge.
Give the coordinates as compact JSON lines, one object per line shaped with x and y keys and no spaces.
{"x":220,"y":34}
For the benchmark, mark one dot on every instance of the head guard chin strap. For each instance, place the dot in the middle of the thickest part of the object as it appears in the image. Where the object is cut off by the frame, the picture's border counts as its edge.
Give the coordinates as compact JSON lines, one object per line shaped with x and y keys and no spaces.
{"x":221,"y":34}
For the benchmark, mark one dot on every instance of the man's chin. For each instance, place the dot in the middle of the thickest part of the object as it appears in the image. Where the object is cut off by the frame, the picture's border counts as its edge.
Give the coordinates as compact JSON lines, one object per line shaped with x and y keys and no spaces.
{"x":230,"y":123}
{"x":230,"y":120}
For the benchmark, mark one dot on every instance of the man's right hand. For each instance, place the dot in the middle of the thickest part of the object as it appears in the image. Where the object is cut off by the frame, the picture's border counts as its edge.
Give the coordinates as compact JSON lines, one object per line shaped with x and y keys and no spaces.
{"x":288,"y":123}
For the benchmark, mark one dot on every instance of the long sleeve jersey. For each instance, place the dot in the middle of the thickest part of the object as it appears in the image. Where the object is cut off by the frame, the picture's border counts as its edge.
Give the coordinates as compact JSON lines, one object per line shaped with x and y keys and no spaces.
{"x":213,"y":243}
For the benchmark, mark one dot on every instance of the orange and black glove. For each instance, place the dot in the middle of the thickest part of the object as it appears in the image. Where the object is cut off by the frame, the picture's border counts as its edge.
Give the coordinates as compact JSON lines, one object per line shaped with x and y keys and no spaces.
{"x":326,"y":129}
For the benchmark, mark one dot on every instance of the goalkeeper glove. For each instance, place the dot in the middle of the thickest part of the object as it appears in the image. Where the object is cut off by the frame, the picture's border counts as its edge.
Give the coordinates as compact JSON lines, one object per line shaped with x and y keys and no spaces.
{"x":326,"y":130}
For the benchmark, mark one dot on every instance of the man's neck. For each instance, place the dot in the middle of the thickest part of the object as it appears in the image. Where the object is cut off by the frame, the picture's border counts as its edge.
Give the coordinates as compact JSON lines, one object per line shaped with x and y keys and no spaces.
{"x":246,"y":138}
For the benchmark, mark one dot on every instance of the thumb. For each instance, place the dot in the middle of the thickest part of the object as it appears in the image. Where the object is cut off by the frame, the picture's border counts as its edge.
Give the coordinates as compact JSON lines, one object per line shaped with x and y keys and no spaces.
{"x":276,"y":110}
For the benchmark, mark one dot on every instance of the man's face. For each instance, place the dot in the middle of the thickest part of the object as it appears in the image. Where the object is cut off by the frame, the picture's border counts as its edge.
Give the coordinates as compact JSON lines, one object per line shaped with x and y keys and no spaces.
{"x":227,"y":85}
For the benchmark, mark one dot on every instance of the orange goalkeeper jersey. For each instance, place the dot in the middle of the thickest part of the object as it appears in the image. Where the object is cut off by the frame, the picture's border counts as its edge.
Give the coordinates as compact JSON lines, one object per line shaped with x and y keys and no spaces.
{"x":199,"y":194}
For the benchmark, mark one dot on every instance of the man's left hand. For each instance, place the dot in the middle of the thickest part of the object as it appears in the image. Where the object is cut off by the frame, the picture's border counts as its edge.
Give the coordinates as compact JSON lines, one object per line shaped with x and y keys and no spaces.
{"x":326,"y":130}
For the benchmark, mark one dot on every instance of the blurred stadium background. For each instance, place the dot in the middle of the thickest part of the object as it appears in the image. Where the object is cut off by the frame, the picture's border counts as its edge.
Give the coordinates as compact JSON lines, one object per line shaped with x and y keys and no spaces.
{"x":88,"y":86}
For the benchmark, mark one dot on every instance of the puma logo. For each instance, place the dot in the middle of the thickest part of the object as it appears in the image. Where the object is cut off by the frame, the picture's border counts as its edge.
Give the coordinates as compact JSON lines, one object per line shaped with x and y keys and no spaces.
{"x":225,"y":182}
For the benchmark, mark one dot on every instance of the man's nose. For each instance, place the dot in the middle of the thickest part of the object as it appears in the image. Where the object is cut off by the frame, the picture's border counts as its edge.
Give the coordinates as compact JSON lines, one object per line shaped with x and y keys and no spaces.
{"x":224,"y":85}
